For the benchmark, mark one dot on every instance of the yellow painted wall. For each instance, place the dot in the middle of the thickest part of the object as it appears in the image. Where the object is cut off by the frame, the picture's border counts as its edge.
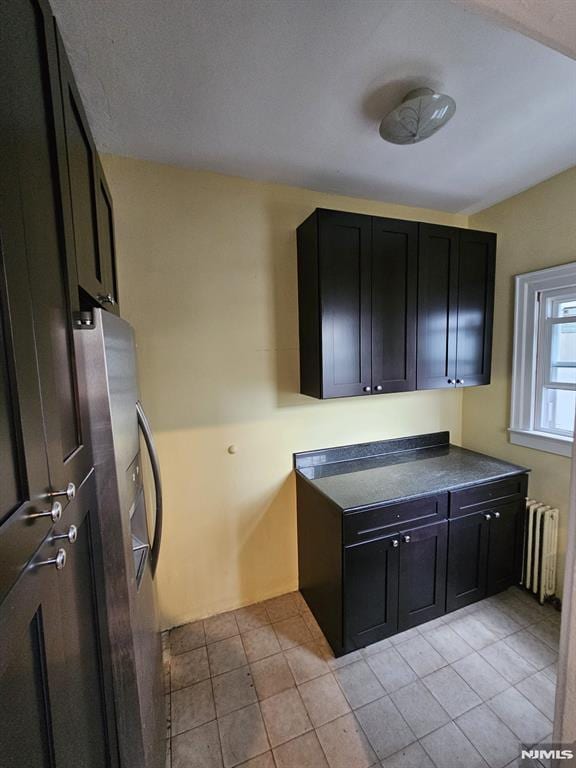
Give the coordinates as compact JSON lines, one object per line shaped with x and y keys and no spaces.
{"x":536,"y":229}
{"x":207,"y":272}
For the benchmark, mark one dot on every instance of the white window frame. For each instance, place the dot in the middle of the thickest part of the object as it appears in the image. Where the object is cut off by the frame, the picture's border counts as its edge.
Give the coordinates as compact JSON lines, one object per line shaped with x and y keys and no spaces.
{"x":525,"y":389}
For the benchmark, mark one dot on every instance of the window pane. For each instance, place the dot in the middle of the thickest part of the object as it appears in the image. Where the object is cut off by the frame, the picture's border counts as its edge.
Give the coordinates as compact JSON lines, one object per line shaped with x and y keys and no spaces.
{"x":564,"y":308}
{"x":563,"y":354}
{"x":558,"y":409}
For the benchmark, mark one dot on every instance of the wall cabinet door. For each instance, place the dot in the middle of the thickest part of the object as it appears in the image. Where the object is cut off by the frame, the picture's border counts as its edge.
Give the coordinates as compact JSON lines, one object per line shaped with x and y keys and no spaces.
{"x":81,"y":155}
{"x":345,"y":295}
{"x":371,"y":591}
{"x":437,"y":306}
{"x":106,"y":241}
{"x":505,"y":546}
{"x":477,"y":257}
{"x":467,"y":560}
{"x":422,"y":580}
{"x":394,"y":284}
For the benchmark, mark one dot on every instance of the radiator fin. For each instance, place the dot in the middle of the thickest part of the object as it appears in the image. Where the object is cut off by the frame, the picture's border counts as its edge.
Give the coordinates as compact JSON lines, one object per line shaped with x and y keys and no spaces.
{"x":540,"y":549}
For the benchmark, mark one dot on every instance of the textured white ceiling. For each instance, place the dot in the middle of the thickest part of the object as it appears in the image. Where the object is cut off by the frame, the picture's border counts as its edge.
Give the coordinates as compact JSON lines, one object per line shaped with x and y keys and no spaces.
{"x":293,"y":91}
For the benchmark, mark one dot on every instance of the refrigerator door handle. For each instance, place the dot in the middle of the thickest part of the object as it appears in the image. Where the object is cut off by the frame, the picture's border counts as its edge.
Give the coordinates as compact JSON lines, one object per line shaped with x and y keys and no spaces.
{"x":144,"y":425}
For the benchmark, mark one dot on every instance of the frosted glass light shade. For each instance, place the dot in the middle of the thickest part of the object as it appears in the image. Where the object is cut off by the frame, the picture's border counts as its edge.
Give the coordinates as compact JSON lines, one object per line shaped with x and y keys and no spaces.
{"x":421,"y":113}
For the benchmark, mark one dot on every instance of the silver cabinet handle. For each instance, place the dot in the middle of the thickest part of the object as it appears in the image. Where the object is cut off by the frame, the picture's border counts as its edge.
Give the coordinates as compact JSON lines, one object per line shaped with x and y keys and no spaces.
{"x":395,"y":543}
{"x":378,"y":387}
{"x":71,"y":535}
{"x":459,"y":381}
{"x":55,"y":512}
{"x":69,"y":492}
{"x":367,"y":389}
{"x":406,"y":538}
{"x":487,"y":516}
{"x":59,"y":561}
{"x":497,"y":515}
{"x":450,"y":381}
{"x":106,"y":298}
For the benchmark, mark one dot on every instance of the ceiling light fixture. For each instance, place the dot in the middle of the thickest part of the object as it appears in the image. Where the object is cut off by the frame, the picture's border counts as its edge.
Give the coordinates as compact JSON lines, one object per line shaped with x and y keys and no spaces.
{"x":421,"y":113}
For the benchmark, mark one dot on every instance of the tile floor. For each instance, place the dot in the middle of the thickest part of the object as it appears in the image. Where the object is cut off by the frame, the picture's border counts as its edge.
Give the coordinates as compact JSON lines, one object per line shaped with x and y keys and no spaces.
{"x":260,"y":688}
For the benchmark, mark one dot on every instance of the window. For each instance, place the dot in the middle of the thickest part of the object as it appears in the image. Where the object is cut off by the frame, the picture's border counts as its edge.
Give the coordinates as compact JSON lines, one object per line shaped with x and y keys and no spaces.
{"x":544,"y":365}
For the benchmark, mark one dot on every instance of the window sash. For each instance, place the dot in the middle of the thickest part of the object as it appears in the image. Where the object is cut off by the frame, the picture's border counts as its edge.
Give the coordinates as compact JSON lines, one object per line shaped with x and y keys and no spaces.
{"x":533,"y":291}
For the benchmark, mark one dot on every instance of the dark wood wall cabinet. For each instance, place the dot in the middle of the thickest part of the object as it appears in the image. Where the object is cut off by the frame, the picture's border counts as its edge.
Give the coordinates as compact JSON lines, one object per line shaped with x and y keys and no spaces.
{"x":371,"y":570}
{"x":56,"y":698}
{"x":89,"y":209}
{"x":392,"y":306}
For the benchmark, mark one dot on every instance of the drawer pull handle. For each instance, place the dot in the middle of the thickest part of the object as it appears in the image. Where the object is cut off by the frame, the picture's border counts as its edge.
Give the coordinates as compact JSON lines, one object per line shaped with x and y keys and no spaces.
{"x":395,"y":543}
{"x":497,"y":515}
{"x":367,"y":389}
{"x":406,"y":538}
{"x":488,"y":516}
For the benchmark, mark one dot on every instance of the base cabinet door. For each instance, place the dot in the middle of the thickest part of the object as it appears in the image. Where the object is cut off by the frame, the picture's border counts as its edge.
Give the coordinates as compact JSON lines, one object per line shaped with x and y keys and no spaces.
{"x":371,"y":591}
{"x":467,"y":560}
{"x":422,"y":575}
{"x":505,"y":547}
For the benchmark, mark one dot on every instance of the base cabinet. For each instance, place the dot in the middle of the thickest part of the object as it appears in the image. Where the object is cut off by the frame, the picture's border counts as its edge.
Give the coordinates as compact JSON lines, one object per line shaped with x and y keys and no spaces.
{"x":373,"y":572}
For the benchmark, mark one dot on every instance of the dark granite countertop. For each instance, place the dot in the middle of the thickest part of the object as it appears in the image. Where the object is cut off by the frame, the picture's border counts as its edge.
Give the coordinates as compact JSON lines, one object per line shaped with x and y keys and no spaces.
{"x":394,"y":470}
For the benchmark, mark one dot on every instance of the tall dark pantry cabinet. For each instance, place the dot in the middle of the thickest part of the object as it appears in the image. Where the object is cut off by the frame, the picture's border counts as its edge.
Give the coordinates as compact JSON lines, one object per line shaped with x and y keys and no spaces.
{"x":56,"y":704}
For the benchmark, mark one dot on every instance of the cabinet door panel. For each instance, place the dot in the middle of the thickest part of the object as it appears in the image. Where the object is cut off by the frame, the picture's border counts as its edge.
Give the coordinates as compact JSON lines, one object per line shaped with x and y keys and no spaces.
{"x":106,"y":240}
{"x":467,"y":561}
{"x":477,"y":252}
{"x":81,"y":163}
{"x":371,"y":592}
{"x":422,"y":586}
{"x":344,"y":246}
{"x":505,"y":546}
{"x":394,"y":280}
{"x":437,"y":306}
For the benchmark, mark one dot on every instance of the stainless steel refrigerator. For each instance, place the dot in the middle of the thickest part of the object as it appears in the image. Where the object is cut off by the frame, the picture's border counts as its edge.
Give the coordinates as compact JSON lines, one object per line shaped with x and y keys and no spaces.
{"x":130,"y":534}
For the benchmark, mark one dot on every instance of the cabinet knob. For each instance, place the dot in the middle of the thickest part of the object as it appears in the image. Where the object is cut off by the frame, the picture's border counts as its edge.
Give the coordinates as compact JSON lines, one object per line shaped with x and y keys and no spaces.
{"x":55,"y":512}
{"x":459,"y":381}
{"x":395,"y":543}
{"x":406,"y":538}
{"x":71,"y":535}
{"x":378,"y":387}
{"x":497,"y":515}
{"x":58,"y":562}
{"x":69,"y":492}
{"x":106,"y":298}
{"x":367,"y":389}
{"x":450,"y":381}
{"x":488,"y":516}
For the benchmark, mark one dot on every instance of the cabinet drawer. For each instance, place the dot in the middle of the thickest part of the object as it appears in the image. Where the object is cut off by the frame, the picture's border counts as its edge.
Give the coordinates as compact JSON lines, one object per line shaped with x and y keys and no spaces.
{"x":371,"y":523}
{"x":473,"y":499}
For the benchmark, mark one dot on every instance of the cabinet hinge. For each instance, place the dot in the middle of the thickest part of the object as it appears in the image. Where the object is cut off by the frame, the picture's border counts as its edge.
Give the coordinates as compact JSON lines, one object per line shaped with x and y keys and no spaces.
{"x":84,"y":320}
